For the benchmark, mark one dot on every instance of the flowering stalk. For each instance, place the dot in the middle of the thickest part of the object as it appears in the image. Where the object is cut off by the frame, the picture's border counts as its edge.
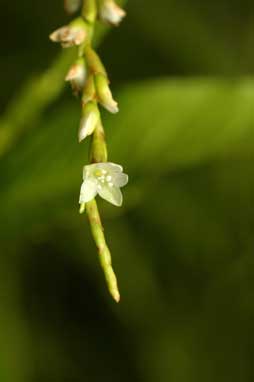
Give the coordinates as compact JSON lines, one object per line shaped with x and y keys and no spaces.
{"x":89,"y":80}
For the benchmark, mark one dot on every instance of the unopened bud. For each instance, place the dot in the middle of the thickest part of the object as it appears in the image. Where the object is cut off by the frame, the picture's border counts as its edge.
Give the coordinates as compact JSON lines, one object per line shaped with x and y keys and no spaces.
{"x":93,"y":61}
{"x":104,"y":94}
{"x":90,"y":118}
{"x":89,"y":92}
{"x":71,"y":6}
{"x":77,"y":75}
{"x":70,"y":35}
{"x":110,"y":12}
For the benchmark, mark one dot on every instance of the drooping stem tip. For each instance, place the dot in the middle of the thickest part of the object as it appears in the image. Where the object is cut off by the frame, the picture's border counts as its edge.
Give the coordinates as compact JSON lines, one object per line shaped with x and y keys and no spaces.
{"x":103,"y":251}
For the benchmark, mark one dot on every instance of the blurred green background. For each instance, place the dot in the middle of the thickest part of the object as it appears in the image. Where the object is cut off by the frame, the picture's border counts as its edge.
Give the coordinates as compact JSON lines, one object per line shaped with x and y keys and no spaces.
{"x":183,"y":243}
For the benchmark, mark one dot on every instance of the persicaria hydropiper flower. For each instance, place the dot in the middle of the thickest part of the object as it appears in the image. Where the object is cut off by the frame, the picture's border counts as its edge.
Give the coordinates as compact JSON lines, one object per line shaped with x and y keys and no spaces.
{"x":70,"y":35}
{"x":89,"y":119}
{"x":77,"y":75}
{"x":104,"y":179}
{"x":110,"y":12}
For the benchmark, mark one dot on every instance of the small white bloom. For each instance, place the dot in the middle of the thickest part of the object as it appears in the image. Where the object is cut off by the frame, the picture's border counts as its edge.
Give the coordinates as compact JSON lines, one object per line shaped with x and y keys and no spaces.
{"x":77,"y":75}
{"x":104,"y":179}
{"x":111,"y":13}
{"x":69,"y":35}
{"x":89,"y":119}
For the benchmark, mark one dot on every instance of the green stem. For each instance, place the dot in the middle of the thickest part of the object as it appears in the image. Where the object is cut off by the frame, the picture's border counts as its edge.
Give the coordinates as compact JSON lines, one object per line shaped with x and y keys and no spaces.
{"x":98,"y":150}
{"x":103,"y":251}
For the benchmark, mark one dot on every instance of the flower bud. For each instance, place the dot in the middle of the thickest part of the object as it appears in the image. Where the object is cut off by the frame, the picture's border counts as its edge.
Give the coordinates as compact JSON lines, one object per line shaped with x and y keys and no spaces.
{"x":73,"y":34}
{"x":89,"y":92}
{"x":104,"y":93}
{"x":89,"y":119}
{"x":110,"y":12}
{"x":94,"y":62}
{"x":77,"y":75}
{"x":71,"y":6}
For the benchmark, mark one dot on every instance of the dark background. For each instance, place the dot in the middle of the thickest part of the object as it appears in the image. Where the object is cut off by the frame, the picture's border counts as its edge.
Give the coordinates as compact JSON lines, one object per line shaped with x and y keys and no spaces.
{"x":183,"y":243}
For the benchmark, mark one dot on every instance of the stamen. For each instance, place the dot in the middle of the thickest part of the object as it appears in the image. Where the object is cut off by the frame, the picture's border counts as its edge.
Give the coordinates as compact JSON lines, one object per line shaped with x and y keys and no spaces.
{"x":98,"y":173}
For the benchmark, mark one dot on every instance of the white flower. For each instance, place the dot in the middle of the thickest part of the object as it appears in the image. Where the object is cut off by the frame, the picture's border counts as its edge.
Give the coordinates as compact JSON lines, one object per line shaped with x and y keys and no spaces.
{"x":104,"y":179}
{"x":89,"y":119}
{"x":77,"y":75}
{"x":111,"y":13}
{"x":70,"y":35}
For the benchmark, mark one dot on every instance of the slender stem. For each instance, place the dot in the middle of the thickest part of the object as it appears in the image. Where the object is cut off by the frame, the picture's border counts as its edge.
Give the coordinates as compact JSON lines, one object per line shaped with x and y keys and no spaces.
{"x":98,"y":153}
{"x":103,"y":251}
{"x":98,"y":149}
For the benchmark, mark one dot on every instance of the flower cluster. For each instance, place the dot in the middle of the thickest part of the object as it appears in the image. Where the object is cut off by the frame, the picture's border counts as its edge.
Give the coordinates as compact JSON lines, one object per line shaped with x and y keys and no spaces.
{"x":88,"y":78}
{"x":89,"y":81}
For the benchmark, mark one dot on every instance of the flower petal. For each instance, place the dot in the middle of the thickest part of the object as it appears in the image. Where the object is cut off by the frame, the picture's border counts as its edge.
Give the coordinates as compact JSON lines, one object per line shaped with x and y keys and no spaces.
{"x":88,"y":190}
{"x":110,"y":12}
{"x":115,"y":167}
{"x":120,"y":179}
{"x":109,"y":167}
{"x":88,"y":170}
{"x":58,"y":34}
{"x":111,"y":194}
{"x":89,"y":120}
